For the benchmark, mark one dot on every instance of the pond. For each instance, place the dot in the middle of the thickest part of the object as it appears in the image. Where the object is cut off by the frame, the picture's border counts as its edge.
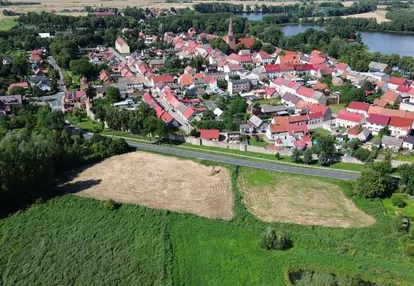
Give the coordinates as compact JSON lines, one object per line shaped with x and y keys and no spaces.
{"x":385,"y":43}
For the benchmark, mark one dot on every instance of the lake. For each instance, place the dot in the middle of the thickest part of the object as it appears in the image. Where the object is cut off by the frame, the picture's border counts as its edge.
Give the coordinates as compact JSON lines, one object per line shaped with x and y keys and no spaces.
{"x":385,"y":43}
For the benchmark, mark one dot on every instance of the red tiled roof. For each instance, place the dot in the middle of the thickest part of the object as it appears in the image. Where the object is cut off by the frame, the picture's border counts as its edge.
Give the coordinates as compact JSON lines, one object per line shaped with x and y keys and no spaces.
{"x":188,"y":112}
{"x":350,"y":116}
{"x":378,"y":119}
{"x":313,"y":108}
{"x":341,"y":66}
{"x":359,"y":105}
{"x":264,"y":56}
{"x":304,"y":91}
{"x":403,"y":88}
{"x":397,"y":80}
{"x":354,"y":130}
{"x":166,"y":117}
{"x":209,"y":134}
{"x":296,"y":119}
{"x":162,"y":79}
{"x":400,"y":122}
{"x":248,"y":42}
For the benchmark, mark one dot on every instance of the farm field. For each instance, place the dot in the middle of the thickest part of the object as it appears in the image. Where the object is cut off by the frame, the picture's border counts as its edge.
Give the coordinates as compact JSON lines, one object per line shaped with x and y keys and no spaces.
{"x":274,"y":197}
{"x":78,"y":241}
{"x":159,"y":182}
{"x":378,"y":15}
{"x":7,"y":24}
{"x":58,"y":5}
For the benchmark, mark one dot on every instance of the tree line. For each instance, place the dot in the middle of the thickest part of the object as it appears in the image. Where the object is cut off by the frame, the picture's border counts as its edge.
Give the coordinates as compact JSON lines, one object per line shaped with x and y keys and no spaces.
{"x":35,"y":147}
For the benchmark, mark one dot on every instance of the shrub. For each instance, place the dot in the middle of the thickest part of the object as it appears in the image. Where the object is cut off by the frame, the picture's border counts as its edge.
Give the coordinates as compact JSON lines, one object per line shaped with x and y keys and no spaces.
{"x":277,"y":156}
{"x":111,"y":205}
{"x":397,"y":200}
{"x":272,"y":240}
{"x":410,"y":249}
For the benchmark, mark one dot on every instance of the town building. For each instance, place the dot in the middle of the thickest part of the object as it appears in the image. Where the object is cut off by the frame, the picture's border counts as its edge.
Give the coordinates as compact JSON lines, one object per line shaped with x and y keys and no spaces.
{"x":122,"y":46}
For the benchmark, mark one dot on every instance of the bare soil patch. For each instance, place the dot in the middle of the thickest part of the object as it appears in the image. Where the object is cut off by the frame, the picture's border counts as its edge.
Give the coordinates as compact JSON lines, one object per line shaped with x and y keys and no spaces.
{"x":275,"y":197}
{"x":159,"y":182}
{"x":378,"y":15}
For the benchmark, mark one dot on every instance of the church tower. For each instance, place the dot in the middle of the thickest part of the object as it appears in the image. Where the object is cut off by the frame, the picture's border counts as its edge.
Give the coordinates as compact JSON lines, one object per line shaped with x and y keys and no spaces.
{"x":230,"y":39}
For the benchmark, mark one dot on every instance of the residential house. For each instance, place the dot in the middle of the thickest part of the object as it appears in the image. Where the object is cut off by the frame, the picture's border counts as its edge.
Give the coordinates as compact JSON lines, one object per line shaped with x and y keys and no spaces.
{"x":122,"y":46}
{"x":240,"y":59}
{"x":290,"y":100}
{"x":357,"y":133}
{"x":323,"y":110}
{"x":400,"y":127}
{"x":380,"y":76}
{"x":394,"y":82}
{"x":264,"y":57}
{"x":42,"y":82}
{"x":209,"y":134}
{"x":379,"y":67}
{"x":273,"y":109}
{"x":358,"y":107}
{"x":7,"y":101}
{"x":157,"y":63}
{"x":310,"y":95}
{"x":391,"y":97}
{"x":254,"y":125}
{"x":408,"y":142}
{"x":164,"y":79}
{"x":349,"y":119}
{"x":288,"y":58}
{"x":105,"y":77}
{"x":24,"y":85}
{"x":342,"y":67}
{"x":131,"y":83}
{"x":376,"y":122}
{"x":186,"y":79}
{"x":388,"y":142}
{"x":238,"y":85}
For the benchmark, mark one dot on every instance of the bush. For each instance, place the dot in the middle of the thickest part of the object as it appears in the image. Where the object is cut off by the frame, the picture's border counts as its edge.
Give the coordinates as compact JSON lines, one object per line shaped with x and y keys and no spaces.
{"x":397,"y":200}
{"x":410,"y":249}
{"x":272,"y":240}
{"x":111,"y":205}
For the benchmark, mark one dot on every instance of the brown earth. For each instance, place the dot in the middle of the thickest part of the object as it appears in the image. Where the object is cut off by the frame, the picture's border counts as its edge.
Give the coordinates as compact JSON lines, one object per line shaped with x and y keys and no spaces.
{"x":378,"y":15}
{"x":158,"y":182}
{"x":291,"y":199}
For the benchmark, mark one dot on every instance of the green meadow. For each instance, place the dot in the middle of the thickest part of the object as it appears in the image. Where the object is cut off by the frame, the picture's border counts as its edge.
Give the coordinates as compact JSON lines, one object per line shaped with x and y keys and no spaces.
{"x":69,"y":240}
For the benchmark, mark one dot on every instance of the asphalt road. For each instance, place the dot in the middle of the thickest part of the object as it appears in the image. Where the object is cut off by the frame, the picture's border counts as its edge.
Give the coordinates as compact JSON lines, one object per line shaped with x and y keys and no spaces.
{"x":227,"y":160}
{"x":246,"y":163}
{"x":53,"y":63}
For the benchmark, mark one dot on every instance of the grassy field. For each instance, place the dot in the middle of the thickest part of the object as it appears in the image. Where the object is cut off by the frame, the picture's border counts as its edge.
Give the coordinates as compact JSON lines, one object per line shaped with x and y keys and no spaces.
{"x":337,"y":107}
{"x":7,"y":24}
{"x":77,"y":241}
{"x":408,"y":210}
{"x":85,"y":123}
{"x":275,"y":197}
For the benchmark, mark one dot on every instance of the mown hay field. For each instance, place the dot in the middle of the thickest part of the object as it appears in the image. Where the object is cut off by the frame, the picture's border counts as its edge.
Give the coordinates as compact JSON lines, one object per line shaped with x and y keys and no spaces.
{"x":159,"y":182}
{"x":278,"y":197}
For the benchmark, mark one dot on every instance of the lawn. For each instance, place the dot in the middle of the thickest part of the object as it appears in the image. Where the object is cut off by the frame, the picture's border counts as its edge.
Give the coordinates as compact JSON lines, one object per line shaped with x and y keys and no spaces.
{"x":408,"y":210}
{"x":125,"y":134}
{"x":409,"y":158}
{"x":7,"y":24}
{"x":77,"y":241}
{"x":85,"y":123}
{"x":270,"y":101}
{"x":337,"y":107}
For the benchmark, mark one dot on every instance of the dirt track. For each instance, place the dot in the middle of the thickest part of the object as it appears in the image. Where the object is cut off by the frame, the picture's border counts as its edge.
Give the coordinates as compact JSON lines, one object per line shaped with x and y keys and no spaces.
{"x":159,"y":182}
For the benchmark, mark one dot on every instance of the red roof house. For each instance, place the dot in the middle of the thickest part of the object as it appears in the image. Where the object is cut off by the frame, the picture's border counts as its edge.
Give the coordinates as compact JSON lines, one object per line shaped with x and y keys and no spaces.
{"x":213,"y":134}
